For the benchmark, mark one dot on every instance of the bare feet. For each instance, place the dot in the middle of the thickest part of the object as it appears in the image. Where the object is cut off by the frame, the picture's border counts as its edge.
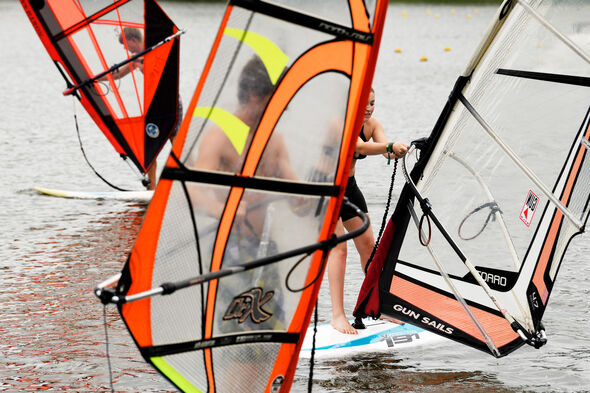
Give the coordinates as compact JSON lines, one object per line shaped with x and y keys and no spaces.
{"x":342,"y":325}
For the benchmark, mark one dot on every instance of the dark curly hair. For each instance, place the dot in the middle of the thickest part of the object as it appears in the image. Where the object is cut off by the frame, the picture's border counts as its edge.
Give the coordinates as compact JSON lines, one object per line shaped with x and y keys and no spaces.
{"x":254,"y":79}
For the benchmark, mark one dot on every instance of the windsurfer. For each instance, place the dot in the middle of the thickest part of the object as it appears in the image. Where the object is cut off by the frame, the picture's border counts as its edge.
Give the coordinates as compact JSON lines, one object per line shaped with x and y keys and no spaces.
{"x":132,"y":39}
{"x":217,"y":153}
{"x":372,"y":141}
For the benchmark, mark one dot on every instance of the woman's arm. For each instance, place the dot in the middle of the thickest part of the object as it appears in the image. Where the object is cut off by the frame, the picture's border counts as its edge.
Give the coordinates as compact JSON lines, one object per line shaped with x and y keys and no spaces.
{"x":379,"y":144}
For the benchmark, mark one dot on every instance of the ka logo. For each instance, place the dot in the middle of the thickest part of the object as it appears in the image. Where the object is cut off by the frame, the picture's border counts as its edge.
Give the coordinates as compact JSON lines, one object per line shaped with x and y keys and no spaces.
{"x":249,"y":304}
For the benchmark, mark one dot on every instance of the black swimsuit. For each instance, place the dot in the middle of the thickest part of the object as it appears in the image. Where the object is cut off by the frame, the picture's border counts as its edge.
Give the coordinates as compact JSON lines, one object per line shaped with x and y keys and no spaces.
{"x":364,"y":139}
{"x":353,"y":192}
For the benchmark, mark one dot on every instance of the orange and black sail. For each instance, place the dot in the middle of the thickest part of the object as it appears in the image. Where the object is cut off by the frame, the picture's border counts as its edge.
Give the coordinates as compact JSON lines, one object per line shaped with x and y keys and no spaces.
{"x":120,"y":58}
{"x":250,"y":196}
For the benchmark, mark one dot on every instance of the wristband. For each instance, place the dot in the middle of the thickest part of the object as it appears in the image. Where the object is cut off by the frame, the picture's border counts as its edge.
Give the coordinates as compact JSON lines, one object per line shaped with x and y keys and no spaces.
{"x":389,"y":149}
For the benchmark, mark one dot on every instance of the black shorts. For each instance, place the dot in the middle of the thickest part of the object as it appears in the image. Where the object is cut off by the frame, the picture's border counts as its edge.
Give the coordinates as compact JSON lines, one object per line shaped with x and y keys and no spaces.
{"x":355,"y":196}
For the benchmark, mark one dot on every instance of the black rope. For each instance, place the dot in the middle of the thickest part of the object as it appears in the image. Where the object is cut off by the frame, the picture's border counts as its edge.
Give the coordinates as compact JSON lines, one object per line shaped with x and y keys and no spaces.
{"x":384,"y":220}
{"x":312,"y":357}
{"x":88,"y":162}
{"x":106,"y":336}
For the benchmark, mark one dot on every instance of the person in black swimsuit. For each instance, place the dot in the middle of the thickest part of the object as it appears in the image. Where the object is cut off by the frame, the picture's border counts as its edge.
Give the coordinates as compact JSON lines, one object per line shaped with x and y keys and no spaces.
{"x":372,"y":141}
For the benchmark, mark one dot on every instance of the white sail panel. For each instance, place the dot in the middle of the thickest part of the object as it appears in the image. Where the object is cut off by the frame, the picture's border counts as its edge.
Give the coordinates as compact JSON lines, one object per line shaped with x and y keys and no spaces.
{"x":506,"y":175}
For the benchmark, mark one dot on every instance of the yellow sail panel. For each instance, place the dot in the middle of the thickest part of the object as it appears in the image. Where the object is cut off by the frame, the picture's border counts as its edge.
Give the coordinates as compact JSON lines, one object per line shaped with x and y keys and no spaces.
{"x":234,"y":128}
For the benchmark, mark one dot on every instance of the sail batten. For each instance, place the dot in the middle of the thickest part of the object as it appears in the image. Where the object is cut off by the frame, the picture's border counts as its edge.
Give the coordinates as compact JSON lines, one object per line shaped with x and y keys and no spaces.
{"x":572,"y":45}
{"x":547,"y":77}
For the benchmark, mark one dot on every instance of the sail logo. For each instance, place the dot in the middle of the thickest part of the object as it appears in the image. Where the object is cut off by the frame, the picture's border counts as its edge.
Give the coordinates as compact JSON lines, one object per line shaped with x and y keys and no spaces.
{"x":249,"y":304}
{"x":152,"y":130}
{"x":529,"y":208}
{"x":426,"y":320}
{"x":277,"y":383}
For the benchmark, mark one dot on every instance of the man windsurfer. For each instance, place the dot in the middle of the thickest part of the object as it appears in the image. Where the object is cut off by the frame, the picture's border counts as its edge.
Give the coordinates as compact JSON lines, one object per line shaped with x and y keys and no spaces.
{"x":132,"y":39}
{"x":372,"y":141}
{"x":217,"y":152}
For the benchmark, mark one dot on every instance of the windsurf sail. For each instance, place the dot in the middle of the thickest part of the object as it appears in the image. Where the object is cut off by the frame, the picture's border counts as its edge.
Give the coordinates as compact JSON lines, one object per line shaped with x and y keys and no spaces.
{"x":120,"y":59}
{"x":243,"y":216}
{"x":500,"y":187}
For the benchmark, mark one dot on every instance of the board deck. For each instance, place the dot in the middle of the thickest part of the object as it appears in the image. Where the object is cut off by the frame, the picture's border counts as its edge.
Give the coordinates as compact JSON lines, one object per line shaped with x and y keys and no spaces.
{"x":135,"y":196}
{"x":379,"y":336}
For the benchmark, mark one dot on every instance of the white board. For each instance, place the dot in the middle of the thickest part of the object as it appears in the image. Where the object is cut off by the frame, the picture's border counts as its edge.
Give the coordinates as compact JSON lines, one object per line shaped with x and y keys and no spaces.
{"x":379,"y":336}
{"x":137,"y":196}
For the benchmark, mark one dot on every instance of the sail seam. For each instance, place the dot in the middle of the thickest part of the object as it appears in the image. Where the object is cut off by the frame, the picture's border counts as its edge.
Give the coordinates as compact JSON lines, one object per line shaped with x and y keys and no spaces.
{"x":305,"y":20}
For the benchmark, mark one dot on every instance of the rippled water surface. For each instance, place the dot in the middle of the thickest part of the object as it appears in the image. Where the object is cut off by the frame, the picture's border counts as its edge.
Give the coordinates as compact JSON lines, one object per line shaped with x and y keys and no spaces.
{"x":54,"y":251}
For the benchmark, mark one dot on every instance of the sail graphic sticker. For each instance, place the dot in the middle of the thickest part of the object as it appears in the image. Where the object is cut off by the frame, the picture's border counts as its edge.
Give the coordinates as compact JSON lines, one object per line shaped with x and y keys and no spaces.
{"x":529,"y":208}
{"x":228,"y":264}
{"x":120,"y":59}
{"x":485,"y":279}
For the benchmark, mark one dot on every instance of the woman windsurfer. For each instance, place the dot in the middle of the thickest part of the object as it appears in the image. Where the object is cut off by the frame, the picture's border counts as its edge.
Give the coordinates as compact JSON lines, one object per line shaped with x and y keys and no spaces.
{"x":372,"y":141}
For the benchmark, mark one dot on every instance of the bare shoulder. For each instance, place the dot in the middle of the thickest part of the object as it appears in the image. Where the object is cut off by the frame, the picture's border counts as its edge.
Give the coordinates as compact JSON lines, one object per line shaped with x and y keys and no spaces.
{"x":372,"y":125}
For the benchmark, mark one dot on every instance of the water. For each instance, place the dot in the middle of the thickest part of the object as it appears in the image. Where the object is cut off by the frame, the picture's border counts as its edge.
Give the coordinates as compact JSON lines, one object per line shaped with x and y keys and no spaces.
{"x":54,"y":251}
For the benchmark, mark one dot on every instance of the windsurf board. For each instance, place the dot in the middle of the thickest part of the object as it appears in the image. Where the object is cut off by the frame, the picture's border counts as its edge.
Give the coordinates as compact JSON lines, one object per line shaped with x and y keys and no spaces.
{"x":379,"y":336}
{"x":135,"y":196}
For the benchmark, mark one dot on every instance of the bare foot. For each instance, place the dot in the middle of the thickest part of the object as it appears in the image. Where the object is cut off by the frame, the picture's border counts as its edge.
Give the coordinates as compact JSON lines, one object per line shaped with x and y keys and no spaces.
{"x":342,"y":325}
{"x":390,"y":319}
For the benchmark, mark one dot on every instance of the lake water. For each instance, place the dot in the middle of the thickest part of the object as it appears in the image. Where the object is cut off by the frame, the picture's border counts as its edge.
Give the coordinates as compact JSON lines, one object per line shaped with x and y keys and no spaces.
{"x":54,"y":251}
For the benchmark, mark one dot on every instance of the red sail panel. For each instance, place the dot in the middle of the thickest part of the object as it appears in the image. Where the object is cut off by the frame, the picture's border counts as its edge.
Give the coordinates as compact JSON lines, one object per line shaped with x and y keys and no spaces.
{"x":135,"y":105}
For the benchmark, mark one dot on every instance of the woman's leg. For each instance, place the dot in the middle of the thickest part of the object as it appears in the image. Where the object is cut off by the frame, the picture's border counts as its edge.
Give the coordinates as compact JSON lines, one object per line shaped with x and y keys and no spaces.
{"x":365,"y":242}
{"x":336,"y":273}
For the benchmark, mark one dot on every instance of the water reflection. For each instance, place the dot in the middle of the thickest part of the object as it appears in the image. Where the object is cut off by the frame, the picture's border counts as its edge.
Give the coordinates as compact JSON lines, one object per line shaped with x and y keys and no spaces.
{"x":386,"y":373}
{"x":52,"y":325}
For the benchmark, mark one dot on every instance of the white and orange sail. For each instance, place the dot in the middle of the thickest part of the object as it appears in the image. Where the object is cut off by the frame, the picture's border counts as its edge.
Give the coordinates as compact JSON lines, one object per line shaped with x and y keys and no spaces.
{"x":503,"y":181}
{"x":235,"y":241}
{"x":90,"y":43}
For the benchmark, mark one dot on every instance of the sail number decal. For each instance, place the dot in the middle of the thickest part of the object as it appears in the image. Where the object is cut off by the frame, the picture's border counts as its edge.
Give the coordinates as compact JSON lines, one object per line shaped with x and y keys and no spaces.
{"x":399,"y":339}
{"x":529,"y":208}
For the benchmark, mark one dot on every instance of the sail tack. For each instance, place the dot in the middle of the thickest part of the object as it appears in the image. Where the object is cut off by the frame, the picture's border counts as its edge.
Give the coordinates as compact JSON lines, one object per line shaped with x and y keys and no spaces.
{"x":258,"y":169}
{"x":120,"y":58}
{"x":506,"y":173}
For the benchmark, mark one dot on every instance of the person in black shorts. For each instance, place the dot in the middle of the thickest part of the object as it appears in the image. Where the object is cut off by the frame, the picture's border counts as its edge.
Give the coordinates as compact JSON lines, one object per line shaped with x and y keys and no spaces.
{"x":372,"y":141}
